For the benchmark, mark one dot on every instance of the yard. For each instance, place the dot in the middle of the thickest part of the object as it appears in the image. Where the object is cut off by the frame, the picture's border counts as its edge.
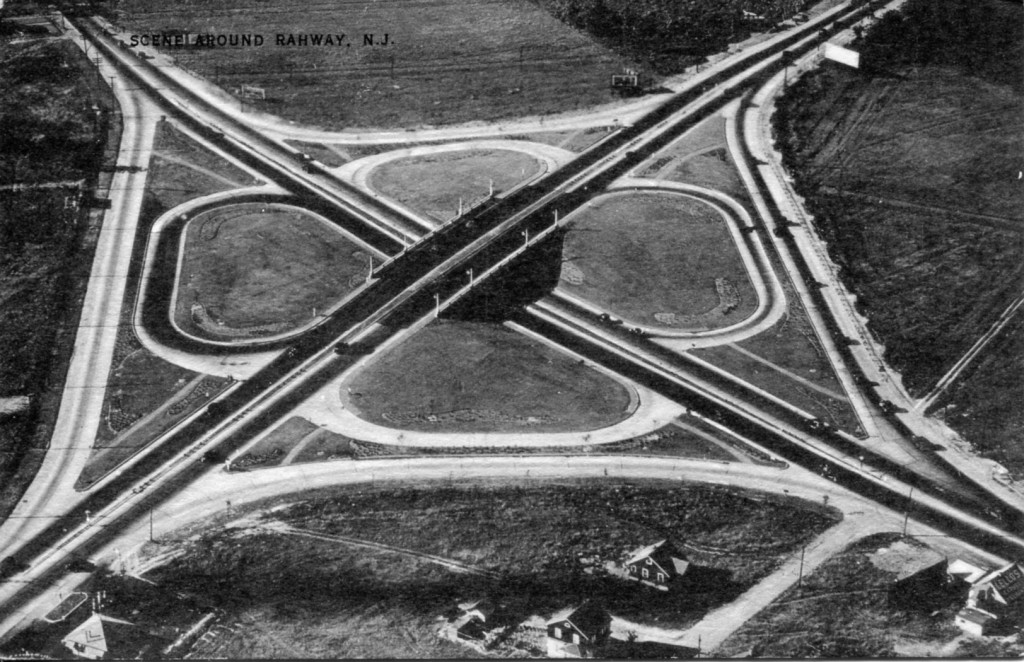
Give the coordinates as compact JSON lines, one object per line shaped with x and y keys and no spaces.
{"x":443,"y":64}
{"x":433,"y":184}
{"x":287,"y":594}
{"x":657,"y":259}
{"x":247,"y":272}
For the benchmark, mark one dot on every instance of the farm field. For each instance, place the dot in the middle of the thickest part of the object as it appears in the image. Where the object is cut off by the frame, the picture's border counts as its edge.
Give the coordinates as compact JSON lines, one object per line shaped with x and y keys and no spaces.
{"x":911,"y":175}
{"x":50,"y":134}
{"x":657,"y":259}
{"x":314,"y":598}
{"x":842,"y":610}
{"x":490,"y":59}
{"x":477,"y":377}
{"x":433,"y":184}
{"x":249,"y":273}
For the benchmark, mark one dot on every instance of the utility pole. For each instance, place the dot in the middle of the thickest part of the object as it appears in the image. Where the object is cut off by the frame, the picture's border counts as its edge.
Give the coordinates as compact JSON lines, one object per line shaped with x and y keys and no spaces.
{"x":800,"y":578}
{"x":151,"y":525}
{"x":910,"y":504}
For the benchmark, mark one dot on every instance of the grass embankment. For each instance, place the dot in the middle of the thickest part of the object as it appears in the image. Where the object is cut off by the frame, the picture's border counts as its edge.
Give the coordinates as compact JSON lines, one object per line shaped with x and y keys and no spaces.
{"x":182,"y":170}
{"x":261,"y":269}
{"x":334,"y":155}
{"x":546,"y":542}
{"x":700,"y":157}
{"x":479,"y":60}
{"x":658,"y":259}
{"x":296,"y":440}
{"x":433,"y":184}
{"x":476,"y":377}
{"x":842,"y":610}
{"x":50,"y":135}
{"x":910,"y":168}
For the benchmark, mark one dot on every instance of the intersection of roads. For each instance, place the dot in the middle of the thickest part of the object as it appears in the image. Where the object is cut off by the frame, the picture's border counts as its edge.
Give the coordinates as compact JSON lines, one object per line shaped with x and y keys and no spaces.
{"x":881,"y":482}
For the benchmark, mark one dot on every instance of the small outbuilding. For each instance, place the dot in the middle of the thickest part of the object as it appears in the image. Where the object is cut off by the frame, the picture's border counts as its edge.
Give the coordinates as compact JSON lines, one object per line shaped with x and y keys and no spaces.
{"x":974,"y":621}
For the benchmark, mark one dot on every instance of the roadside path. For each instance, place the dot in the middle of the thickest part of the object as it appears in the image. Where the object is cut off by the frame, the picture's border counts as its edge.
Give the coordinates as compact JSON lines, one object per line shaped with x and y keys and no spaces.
{"x":451,"y":564}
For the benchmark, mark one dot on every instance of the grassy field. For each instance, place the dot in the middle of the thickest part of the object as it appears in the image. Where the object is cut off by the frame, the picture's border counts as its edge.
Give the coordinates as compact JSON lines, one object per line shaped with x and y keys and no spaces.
{"x":827,"y":403}
{"x":547,"y":542}
{"x":433,"y":184}
{"x":977,"y":404}
{"x":939,"y":135}
{"x":658,"y":259}
{"x":466,"y":377}
{"x":49,"y":133}
{"x":490,"y":59}
{"x":182,"y":170}
{"x":842,"y":610}
{"x":161,"y":406}
{"x":911,"y":171}
{"x":249,"y":273}
{"x":701,"y":157}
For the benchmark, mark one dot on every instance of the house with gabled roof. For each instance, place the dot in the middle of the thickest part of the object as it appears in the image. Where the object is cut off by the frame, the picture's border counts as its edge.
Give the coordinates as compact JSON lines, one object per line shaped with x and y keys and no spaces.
{"x":920,"y":575}
{"x":578,"y":631}
{"x":965,"y":573}
{"x":657,"y":565}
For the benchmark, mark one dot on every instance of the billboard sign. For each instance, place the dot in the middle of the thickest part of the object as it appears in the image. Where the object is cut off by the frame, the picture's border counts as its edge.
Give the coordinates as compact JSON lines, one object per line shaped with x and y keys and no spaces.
{"x":842,"y":55}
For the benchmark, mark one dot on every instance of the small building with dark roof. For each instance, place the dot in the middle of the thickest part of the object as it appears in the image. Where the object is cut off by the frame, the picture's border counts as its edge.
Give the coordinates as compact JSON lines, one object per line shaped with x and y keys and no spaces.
{"x":657,"y":565}
{"x":578,"y":631}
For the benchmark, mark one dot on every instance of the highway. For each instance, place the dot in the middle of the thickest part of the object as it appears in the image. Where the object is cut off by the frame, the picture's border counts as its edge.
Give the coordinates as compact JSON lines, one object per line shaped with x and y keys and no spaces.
{"x":81,"y":404}
{"x":433,"y":266}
